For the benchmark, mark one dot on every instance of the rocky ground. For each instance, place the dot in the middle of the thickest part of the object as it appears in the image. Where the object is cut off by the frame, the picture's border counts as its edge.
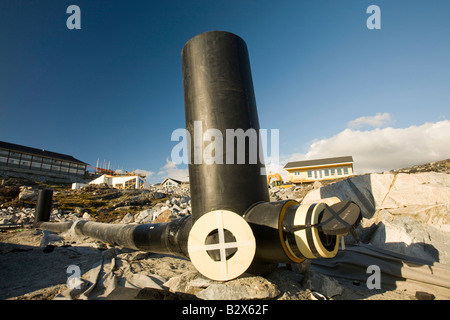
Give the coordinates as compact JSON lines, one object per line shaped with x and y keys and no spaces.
{"x":34,"y":264}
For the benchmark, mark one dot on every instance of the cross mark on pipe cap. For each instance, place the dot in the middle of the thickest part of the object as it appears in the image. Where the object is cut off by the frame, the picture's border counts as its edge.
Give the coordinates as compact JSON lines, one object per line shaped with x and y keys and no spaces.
{"x":225,"y":268}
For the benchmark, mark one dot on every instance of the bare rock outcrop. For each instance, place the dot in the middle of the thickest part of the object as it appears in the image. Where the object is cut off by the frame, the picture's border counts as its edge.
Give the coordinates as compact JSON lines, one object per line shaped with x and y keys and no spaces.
{"x":405,"y":212}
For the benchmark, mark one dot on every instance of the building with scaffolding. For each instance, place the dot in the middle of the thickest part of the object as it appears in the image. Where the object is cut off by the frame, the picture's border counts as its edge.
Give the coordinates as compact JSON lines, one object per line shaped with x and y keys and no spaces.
{"x":122,"y":181}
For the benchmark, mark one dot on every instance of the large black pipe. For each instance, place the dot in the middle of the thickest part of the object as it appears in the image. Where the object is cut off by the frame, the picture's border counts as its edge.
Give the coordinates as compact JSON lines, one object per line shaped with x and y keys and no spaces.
{"x":167,"y":238}
{"x":218,"y":94}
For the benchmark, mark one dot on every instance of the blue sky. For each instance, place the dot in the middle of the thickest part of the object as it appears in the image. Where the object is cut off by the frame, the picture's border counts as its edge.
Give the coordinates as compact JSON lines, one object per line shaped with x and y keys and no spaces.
{"x":113,"y":90}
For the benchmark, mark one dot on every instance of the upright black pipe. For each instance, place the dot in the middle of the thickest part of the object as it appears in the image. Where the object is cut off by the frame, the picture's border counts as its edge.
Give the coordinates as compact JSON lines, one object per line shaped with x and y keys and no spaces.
{"x":43,"y":206}
{"x":218,"y":94}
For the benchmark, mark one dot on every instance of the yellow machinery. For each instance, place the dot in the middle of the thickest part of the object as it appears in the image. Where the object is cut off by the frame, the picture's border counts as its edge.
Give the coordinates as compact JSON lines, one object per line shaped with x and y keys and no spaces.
{"x":275,"y":180}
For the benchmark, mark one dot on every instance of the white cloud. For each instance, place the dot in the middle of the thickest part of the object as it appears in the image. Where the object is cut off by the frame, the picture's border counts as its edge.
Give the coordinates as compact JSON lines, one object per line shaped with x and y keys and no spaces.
{"x":277,"y":168}
{"x":375,"y":150}
{"x":170,"y":170}
{"x":377,"y":121}
{"x":146,"y":173}
{"x":384,"y":149}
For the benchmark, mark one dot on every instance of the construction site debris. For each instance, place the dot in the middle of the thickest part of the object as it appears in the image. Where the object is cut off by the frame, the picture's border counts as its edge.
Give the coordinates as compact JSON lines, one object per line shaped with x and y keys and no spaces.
{"x":406,"y":216}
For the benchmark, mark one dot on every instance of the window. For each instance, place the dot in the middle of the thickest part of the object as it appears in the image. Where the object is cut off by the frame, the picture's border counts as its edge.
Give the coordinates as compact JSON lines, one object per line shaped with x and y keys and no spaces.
{"x":56,"y":166}
{"x":309,"y":174}
{"x":36,"y":163}
{"x":339,"y":171}
{"x":4,"y":154}
{"x":64,"y":167}
{"x":130,"y":184}
{"x":345,"y":170}
{"x":79,"y":172}
{"x":318,"y":174}
{"x":14,"y":158}
{"x":118,"y":185}
{"x":333,"y":171}
{"x":14,"y":155}
{"x":73,"y":170}
{"x":25,"y":164}
{"x":327,"y":172}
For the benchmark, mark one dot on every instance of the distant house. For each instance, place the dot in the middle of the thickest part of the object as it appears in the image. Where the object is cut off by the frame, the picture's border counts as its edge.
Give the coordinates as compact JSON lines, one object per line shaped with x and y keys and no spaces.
{"x":122,"y":182}
{"x":170,"y":183}
{"x":27,"y":160}
{"x":319,"y":169}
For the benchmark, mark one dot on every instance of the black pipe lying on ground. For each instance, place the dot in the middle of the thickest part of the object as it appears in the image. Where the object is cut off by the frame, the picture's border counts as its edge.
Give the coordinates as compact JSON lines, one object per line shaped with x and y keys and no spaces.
{"x":165,"y":238}
{"x":219,"y":95}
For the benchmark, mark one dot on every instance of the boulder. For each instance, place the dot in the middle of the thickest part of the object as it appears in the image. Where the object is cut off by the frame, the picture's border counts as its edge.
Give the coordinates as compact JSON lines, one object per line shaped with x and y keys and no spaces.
{"x":388,"y":191}
{"x":28,"y":194}
{"x":409,"y":236}
{"x":164,"y":215}
{"x":317,"y":184}
{"x":182,"y":282}
{"x":323,"y":284}
{"x":185,"y":199}
{"x":145,"y":216}
{"x":427,"y":188}
{"x":157,"y":195}
{"x":245,"y":288}
{"x":87,"y":216}
{"x":128,"y":218}
{"x":176,"y":208}
{"x":8,"y":219}
{"x":435,"y":215}
{"x":367,"y":191}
